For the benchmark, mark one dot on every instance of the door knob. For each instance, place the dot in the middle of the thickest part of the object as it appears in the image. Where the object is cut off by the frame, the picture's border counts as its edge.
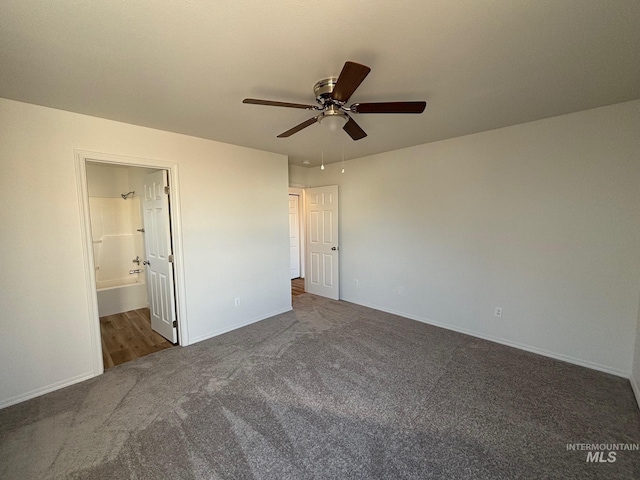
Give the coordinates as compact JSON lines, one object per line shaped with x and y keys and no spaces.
{"x":146,"y":262}
{"x":335,"y":248}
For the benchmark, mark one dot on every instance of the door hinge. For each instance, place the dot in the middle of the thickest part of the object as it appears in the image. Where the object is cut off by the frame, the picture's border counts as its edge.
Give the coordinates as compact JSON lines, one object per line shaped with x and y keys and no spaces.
{"x":171,"y":258}
{"x":175,"y":324}
{"x":166,"y":190}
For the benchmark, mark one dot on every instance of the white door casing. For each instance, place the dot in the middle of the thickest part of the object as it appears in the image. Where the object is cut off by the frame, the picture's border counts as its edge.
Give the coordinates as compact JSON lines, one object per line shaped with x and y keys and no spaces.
{"x":159,"y":268}
{"x":323,"y":255}
{"x":294,"y":235}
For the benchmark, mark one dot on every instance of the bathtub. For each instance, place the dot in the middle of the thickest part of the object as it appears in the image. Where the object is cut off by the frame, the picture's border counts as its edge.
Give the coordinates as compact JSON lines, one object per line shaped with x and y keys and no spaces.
{"x":121,"y":295}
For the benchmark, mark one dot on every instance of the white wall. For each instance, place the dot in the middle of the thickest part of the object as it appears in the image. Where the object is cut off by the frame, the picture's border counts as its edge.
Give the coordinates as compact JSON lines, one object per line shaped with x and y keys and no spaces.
{"x":108,"y":181}
{"x":234,"y":226}
{"x":298,"y":176}
{"x":541,"y":219}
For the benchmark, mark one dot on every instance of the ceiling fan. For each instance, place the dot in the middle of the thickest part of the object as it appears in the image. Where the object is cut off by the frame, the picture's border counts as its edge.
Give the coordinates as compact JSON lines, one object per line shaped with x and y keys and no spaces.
{"x":332,"y":95}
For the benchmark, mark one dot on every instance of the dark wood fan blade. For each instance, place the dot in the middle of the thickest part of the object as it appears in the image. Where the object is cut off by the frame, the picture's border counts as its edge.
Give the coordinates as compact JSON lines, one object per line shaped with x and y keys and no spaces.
{"x":270,"y":103}
{"x":389,"y":107}
{"x":354,"y":130}
{"x":297,"y":128}
{"x":350,"y":78}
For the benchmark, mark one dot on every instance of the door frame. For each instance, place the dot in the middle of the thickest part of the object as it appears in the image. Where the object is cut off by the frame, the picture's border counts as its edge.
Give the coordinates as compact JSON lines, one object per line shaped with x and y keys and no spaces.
{"x":82,"y":157}
{"x":301,"y":226}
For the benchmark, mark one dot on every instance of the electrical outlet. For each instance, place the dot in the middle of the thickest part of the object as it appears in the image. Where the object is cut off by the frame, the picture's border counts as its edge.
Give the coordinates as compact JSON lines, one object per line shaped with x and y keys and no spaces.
{"x":356,"y":282}
{"x":237,"y":302}
{"x":498,"y":312}
{"x":401,"y":291}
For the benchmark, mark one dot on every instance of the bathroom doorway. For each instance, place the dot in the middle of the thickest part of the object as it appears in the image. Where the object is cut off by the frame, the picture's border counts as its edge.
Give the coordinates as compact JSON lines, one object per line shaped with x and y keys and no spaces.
{"x":296,"y":240}
{"x":117,"y":237}
{"x":116,"y":198}
{"x":126,"y":204}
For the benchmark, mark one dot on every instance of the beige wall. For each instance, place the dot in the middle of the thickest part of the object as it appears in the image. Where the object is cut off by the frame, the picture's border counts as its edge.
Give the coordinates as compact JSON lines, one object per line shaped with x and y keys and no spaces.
{"x":541,"y":219}
{"x":234,"y":235}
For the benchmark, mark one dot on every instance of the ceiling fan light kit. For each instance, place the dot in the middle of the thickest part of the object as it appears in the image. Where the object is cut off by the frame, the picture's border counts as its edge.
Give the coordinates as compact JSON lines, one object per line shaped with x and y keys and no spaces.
{"x":332,"y":95}
{"x":333,"y":119}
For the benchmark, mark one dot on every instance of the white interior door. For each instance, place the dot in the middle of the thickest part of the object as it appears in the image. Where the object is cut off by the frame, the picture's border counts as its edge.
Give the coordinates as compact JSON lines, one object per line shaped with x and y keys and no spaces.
{"x":294,"y":235}
{"x":159,"y":260}
{"x":322,"y":270}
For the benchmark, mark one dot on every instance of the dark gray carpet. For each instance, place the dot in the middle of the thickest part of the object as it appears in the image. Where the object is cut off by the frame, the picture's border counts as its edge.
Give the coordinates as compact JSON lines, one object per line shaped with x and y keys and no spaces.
{"x":329,"y":391}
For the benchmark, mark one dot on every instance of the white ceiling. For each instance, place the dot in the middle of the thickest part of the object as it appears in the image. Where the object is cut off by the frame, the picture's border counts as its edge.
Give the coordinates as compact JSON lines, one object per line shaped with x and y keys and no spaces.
{"x":186,"y":65}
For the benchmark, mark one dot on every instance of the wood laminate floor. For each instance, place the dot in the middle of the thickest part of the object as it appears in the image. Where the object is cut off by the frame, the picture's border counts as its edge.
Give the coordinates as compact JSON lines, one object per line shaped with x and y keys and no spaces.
{"x":297,"y":286}
{"x":127,"y":336}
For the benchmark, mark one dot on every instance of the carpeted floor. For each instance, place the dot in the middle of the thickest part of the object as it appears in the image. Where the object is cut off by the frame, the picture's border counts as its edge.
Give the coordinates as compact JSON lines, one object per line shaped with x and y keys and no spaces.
{"x":331,"y":390}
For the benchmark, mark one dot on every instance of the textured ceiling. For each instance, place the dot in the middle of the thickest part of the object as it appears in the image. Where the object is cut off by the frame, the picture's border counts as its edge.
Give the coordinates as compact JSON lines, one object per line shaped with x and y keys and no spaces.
{"x":186,"y":65}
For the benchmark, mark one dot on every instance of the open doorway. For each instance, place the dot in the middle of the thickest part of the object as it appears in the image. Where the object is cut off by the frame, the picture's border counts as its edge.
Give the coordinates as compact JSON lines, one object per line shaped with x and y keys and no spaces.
{"x":120,"y":234}
{"x":130,"y":222}
{"x":296,"y":240}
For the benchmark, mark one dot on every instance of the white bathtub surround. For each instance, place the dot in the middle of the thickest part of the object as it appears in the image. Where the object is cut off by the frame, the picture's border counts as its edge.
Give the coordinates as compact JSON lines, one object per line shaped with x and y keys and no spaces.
{"x":116,"y":240}
{"x":114,"y":224}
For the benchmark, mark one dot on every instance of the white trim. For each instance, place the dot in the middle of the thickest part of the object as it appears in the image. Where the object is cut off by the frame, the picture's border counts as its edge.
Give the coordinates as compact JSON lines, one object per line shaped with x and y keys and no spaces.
{"x":43,"y":390}
{"x":87,"y":249}
{"x":502,"y":341}
{"x":301,"y":226}
{"x":90,"y":271}
{"x":215,"y":333}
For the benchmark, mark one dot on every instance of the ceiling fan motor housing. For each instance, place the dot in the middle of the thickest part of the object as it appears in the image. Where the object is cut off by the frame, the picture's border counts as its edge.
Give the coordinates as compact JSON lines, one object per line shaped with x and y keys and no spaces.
{"x":323,"y":90}
{"x":334,"y":117}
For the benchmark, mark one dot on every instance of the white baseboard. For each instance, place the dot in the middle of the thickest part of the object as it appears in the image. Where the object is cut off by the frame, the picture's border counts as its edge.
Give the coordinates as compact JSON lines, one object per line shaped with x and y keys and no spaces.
{"x":576,"y":361}
{"x":85,"y":376}
{"x":47,"y":389}
{"x":215,"y":333}
{"x":502,"y":341}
